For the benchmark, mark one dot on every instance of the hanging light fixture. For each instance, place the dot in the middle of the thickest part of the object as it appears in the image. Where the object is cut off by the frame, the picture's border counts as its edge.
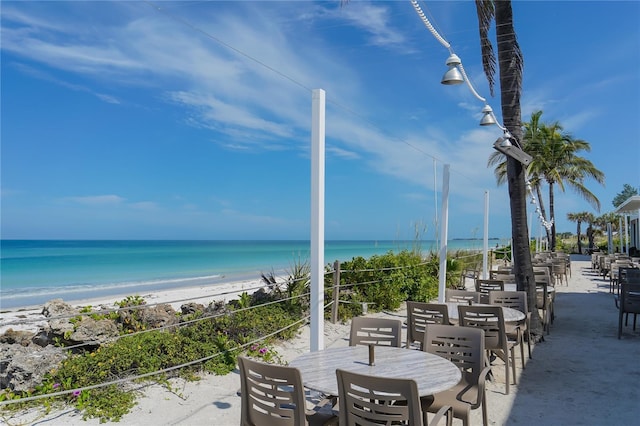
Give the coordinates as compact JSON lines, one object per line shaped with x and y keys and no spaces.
{"x":504,"y":145}
{"x":453,"y":75}
{"x":505,"y":141}
{"x":487,"y":118}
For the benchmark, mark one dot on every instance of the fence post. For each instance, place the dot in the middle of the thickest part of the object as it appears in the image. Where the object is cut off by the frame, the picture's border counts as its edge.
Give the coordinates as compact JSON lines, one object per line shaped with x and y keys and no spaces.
{"x":336,"y":291}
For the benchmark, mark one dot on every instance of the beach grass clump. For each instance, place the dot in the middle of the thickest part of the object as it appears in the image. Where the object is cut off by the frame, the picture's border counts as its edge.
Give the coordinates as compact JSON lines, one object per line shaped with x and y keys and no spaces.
{"x":208,"y":343}
{"x":385,"y":281}
{"x":134,"y":355}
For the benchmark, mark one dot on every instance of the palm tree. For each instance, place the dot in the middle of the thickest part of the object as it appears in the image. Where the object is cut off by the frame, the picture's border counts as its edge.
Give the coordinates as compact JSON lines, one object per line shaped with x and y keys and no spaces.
{"x":510,"y":65}
{"x":603,"y":221}
{"x":556,"y":162}
{"x":591,"y":231}
{"x":579,"y":218}
{"x":534,"y":130}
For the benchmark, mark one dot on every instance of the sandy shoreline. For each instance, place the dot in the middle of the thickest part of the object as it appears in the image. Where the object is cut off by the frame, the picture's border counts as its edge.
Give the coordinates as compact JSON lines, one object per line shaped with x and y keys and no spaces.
{"x":31,"y":318}
{"x":580,"y":375}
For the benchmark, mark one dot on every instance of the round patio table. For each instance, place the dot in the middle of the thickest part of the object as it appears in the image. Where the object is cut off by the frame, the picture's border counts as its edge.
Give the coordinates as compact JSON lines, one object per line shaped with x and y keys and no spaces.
{"x":432,"y":373}
{"x":510,"y":314}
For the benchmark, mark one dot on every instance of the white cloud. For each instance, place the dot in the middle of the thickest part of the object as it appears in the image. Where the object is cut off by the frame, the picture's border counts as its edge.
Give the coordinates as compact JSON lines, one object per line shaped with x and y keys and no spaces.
{"x":97,"y":200}
{"x":212,"y":110}
{"x":6,"y":192}
{"x":372,"y":18}
{"x":342,"y":153}
{"x":144,"y":205}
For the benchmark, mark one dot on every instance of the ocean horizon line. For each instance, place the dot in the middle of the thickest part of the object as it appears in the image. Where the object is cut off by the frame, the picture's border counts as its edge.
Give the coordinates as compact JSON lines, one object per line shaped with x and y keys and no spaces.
{"x":245,"y":239}
{"x":34,"y":271}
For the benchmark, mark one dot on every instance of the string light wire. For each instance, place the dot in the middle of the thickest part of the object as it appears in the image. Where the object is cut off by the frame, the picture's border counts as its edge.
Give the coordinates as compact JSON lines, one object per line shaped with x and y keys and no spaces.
{"x":465,"y":77}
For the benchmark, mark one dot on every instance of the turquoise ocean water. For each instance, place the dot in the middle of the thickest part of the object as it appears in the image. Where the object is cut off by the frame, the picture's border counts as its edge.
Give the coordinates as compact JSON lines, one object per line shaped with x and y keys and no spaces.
{"x":33,"y":272}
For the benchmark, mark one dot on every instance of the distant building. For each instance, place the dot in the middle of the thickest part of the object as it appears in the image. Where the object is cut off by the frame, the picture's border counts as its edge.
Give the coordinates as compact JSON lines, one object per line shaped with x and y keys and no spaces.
{"x":631,"y":209}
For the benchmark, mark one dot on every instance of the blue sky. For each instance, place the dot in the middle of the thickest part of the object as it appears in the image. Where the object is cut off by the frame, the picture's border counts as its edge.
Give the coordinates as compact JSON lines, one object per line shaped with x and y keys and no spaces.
{"x":120,"y":120}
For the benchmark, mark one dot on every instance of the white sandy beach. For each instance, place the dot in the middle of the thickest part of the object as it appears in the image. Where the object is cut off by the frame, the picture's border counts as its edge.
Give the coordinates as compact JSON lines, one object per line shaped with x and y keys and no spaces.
{"x":27,"y":316}
{"x":580,"y":375}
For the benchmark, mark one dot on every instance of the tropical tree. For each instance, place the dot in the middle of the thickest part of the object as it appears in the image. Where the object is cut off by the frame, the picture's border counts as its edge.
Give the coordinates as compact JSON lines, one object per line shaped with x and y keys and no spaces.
{"x":591,"y":230}
{"x":627,"y":192}
{"x":579,"y":218}
{"x":603,"y":222}
{"x":533,"y":130}
{"x":557,"y":163}
{"x":510,"y":66}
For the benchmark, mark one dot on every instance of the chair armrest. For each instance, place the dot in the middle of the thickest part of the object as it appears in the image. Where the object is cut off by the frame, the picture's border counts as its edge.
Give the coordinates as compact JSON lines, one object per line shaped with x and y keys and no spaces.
{"x":445,"y":411}
{"x":483,"y":375}
{"x":481,"y":385}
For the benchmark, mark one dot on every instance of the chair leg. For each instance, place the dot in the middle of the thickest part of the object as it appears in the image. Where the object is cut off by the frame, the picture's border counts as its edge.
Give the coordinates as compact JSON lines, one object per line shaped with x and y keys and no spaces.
{"x":485,"y":420}
{"x":513,"y":365}
{"x":620,"y":324}
{"x":506,"y":370}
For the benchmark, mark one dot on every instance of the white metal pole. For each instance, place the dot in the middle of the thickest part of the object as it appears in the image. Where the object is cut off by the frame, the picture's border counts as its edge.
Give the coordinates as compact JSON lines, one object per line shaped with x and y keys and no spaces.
{"x":530,"y":227}
{"x":485,"y":246}
{"x":638,"y":231}
{"x":626,"y":233}
{"x":435,"y":199}
{"x":444,"y":234}
{"x":620,"y":233}
{"x":317,"y":219}
{"x":513,"y":261}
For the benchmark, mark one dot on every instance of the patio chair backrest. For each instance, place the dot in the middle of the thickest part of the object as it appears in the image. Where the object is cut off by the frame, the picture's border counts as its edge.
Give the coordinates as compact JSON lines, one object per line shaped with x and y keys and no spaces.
{"x":419,"y":314}
{"x":510,"y":299}
{"x":375,"y":331}
{"x":462,"y":296}
{"x":463,"y":346}
{"x":487,"y":286}
{"x":629,"y":302}
{"x":272,"y":395}
{"x":369,"y":400}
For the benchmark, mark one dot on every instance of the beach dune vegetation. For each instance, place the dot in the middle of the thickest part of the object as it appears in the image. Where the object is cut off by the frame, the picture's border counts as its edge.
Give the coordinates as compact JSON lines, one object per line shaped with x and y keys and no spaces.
{"x":383,"y":282}
{"x":207,"y":339}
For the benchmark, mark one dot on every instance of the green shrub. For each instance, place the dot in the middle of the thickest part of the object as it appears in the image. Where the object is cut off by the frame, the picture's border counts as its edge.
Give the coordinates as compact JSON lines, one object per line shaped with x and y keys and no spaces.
{"x":141,"y":353}
{"x":388,"y":280}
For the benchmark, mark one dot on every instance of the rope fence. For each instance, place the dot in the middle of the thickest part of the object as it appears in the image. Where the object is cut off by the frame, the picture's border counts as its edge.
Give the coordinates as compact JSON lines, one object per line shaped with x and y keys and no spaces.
{"x":338,"y":290}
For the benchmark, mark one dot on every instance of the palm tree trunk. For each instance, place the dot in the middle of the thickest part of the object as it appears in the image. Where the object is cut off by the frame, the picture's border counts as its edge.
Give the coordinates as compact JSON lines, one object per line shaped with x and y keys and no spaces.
{"x":552,"y":217}
{"x":579,"y":237}
{"x":543,"y":211}
{"x":510,"y":88}
{"x":591,"y":236}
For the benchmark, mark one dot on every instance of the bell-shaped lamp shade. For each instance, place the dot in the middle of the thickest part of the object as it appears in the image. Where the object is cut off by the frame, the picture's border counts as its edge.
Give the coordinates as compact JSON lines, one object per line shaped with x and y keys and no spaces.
{"x":453,"y":75}
{"x":487,"y":118}
{"x":506,"y":142}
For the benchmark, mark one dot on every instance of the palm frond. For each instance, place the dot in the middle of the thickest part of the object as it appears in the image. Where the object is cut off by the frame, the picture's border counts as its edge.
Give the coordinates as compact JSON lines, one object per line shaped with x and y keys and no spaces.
{"x":486,"y":12}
